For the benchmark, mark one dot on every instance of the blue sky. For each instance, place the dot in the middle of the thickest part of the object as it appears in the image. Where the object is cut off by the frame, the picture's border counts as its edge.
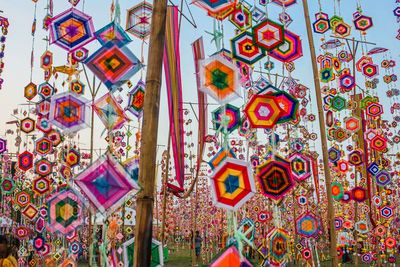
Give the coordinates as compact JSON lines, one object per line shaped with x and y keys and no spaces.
{"x":19,"y":39}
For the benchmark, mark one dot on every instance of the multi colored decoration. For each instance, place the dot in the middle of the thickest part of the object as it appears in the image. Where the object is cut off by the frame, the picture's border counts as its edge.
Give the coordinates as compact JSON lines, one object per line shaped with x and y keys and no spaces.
{"x":136,"y":99}
{"x":113,"y":32}
{"x":275,"y":178}
{"x":290,"y":50}
{"x":64,"y":213}
{"x":113,"y":65}
{"x":106,"y":183}
{"x":138,"y":20}
{"x":263,"y":111}
{"x":268,"y":34}
{"x":244,"y":50}
{"x":226,"y":118}
{"x":157,"y":253}
{"x":110,"y":112}
{"x":232,"y":184}
{"x":219,"y":78}
{"x":71,"y":29}
{"x":69,"y":112}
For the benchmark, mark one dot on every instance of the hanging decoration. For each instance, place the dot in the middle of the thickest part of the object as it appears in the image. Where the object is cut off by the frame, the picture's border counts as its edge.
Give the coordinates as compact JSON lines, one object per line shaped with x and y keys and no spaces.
{"x":106,"y":183}
{"x":71,"y":29}
{"x":138,"y":20}
{"x":110,"y":112}
{"x":4,"y":24}
{"x":172,"y":70}
{"x":219,"y":78}
{"x":113,"y":65}
{"x":69,"y":112}
{"x":136,"y":99}
{"x":232,"y":184}
{"x":275,"y":178}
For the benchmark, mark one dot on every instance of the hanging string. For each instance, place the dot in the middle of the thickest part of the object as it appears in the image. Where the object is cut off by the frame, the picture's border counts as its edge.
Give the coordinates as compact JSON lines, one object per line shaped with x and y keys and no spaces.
{"x":334,"y":7}
{"x":180,"y":19}
{"x":138,"y":137}
{"x":221,"y":24}
{"x":364,"y":47}
{"x":237,"y":234}
{"x":142,"y":49}
{"x":33,"y":40}
{"x":283,"y":76}
{"x":142,"y":58}
{"x":51,"y":7}
{"x":112,"y":9}
{"x":49,"y":12}
{"x":117,"y":15}
{"x":260,"y":68}
{"x":359,"y":6}
{"x":319,"y":6}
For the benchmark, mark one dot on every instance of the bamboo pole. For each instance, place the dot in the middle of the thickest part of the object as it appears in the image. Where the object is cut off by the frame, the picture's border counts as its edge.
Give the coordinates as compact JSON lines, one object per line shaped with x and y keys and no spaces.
{"x":294,"y":205}
{"x":322,"y":128}
{"x":360,"y":141}
{"x":148,"y":154}
{"x":360,"y":133}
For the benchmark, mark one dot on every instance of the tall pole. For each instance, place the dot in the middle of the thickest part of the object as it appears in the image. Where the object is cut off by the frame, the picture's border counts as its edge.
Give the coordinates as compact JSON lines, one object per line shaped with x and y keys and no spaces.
{"x":360,"y":133}
{"x":148,"y":153}
{"x":360,"y":143}
{"x":294,"y":205}
{"x":322,"y":128}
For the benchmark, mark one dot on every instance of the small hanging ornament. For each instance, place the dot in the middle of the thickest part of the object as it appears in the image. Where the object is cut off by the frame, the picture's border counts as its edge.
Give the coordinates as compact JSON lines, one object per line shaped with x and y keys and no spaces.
{"x":4,"y":23}
{"x":74,"y":2}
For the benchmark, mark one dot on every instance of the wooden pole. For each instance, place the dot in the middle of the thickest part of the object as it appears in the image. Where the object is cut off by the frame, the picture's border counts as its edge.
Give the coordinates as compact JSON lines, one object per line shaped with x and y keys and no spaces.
{"x":360,"y":133}
{"x":294,"y":205}
{"x":148,"y":153}
{"x":360,"y":143}
{"x":322,"y":128}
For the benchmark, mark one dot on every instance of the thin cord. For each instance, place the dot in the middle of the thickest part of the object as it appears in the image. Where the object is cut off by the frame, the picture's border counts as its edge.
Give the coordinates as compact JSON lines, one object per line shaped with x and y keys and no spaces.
{"x":33,"y":41}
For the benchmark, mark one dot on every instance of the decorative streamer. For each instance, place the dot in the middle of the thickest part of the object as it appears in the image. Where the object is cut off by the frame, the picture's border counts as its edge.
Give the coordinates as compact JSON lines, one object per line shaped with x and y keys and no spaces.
{"x":113,"y":262}
{"x":173,"y":81}
{"x":198,"y":54}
